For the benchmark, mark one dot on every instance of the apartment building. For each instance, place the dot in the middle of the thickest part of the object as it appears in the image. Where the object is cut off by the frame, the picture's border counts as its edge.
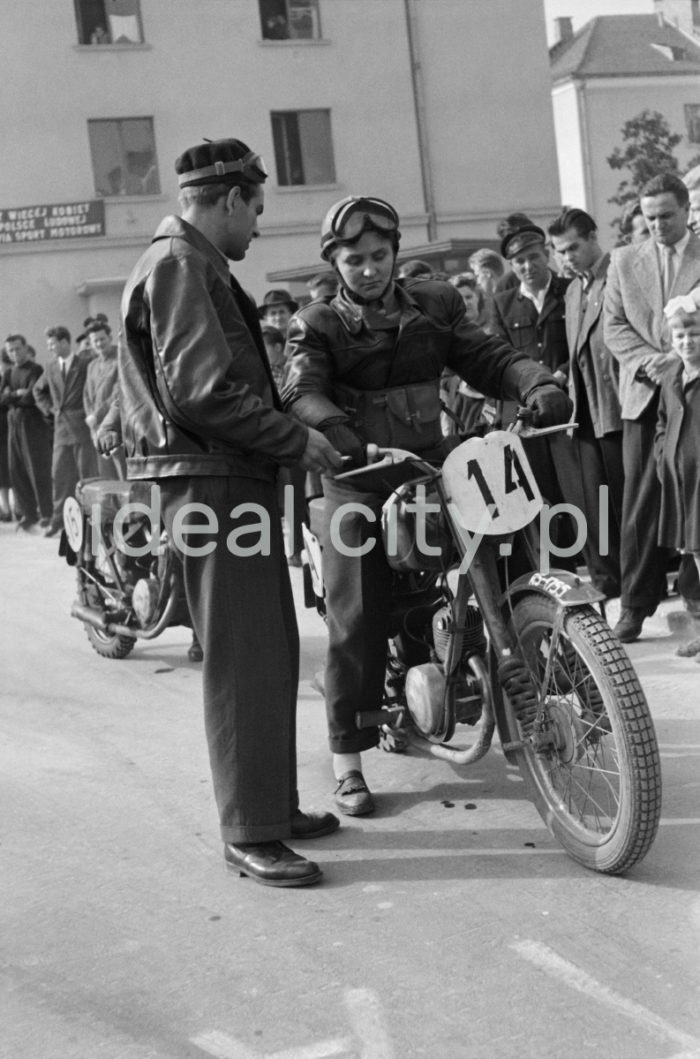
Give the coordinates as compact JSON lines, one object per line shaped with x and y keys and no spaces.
{"x":442,"y":106}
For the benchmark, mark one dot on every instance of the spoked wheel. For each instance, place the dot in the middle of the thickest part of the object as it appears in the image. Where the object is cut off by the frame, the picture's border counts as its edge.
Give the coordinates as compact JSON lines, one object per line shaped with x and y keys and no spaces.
{"x":109,"y":645}
{"x":590,"y":753}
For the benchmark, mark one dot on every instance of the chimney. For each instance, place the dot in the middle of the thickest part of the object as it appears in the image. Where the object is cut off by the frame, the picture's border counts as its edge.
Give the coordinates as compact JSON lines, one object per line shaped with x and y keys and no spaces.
{"x":563,"y":29}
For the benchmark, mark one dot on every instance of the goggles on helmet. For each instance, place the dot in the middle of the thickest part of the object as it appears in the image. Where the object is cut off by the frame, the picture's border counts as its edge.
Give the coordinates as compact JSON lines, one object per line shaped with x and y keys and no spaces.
{"x":251,"y":166}
{"x":348,"y":219}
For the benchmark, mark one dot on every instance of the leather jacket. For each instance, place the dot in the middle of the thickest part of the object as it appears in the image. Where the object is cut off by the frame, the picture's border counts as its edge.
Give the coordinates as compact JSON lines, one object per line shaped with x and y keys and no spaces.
{"x":196,"y":393}
{"x":330,"y":349}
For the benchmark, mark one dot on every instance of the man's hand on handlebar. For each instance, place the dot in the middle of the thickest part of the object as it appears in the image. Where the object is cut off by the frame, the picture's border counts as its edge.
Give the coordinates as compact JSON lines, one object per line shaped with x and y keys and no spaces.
{"x":346,"y":441}
{"x":549,"y":406}
{"x":319,"y":454}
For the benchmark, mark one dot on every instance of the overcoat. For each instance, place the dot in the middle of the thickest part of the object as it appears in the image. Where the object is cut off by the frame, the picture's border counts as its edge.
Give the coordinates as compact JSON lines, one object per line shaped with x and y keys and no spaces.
{"x":677,"y":449}
{"x":593,"y":367}
{"x":634,"y":325}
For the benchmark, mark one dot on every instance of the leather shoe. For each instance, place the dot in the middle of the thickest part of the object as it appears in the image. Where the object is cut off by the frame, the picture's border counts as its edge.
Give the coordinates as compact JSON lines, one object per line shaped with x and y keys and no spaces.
{"x":630,"y":623}
{"x":352,"y":795}
{"x":271,"y":863}
{"x":53,"y":529}
{"x":313,"y":825}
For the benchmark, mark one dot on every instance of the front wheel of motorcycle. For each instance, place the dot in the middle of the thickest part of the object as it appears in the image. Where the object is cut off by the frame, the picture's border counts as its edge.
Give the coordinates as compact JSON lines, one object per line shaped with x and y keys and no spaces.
{"x":589,"y":752}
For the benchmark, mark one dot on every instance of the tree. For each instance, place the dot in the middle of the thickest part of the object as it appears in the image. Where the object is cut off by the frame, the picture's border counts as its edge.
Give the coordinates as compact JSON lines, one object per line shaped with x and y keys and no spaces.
{"x":648,"y":150}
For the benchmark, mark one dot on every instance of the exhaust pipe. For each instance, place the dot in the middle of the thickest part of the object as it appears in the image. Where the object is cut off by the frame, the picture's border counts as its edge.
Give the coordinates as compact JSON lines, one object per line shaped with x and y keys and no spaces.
{"x":93,"y":617}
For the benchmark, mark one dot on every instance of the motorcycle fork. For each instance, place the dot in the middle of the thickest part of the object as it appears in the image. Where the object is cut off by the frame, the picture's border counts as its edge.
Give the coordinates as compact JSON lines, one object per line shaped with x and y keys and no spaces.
{"x":482,"y":576}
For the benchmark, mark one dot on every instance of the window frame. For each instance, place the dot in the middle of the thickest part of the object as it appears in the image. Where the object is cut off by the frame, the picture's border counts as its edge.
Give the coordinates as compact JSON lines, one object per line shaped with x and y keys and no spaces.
{"x":84,"y":37}
{"x":691,"y":113}
{"x":282,"y":149}
{"x":288,"y":6}
{"x":124,"y":195}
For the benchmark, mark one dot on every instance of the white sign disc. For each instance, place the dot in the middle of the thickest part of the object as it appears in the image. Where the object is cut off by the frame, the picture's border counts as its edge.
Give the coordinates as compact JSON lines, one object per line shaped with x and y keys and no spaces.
{"x":491,"y":484}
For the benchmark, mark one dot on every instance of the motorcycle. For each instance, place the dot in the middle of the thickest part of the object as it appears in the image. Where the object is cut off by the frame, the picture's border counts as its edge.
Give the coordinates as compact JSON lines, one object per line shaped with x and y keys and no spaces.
{"x":505,"y":646}
{"x":129,"y":578}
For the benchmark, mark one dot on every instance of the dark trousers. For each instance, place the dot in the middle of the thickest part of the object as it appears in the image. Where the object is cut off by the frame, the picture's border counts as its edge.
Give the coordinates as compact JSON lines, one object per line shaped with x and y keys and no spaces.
{"x":358,"y":602}
{"x":243,"y":614}
{"x":554,"y":462}
{"x":600,"y":461}
{"x":643,"y":563}
{"x":30,"y":463}
{"x":71,"y":461}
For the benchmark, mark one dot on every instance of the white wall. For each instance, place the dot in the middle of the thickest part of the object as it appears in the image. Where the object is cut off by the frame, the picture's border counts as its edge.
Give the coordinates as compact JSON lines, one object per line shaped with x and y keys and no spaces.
{"x":567,"y":127}
{"x":612,"y":102}
{"x":204,"y":72}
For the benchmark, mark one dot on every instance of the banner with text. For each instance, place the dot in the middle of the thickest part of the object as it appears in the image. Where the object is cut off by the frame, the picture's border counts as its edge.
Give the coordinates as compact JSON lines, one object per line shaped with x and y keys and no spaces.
{"x":66,"y":220}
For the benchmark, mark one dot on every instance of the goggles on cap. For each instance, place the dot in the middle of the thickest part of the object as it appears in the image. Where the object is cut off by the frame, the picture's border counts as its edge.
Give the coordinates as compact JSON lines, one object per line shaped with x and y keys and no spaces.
{"x":357,"y":214}
{"x":251,"y":166}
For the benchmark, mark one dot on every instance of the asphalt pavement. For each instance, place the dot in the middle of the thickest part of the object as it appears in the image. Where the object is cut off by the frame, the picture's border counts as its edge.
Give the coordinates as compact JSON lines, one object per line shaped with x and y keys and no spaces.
{"x":448,"y":925}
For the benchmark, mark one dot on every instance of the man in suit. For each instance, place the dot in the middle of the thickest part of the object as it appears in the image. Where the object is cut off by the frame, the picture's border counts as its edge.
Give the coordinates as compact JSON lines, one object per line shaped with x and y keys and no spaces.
{"x":594,"y":390}
{"x":59,"y":394}
{"x":530,"y":316}
{"x":641,"y":279}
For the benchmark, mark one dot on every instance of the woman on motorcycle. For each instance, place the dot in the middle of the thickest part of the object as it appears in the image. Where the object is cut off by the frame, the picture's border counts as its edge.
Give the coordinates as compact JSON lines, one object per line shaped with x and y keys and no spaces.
{"x":365,"y":367}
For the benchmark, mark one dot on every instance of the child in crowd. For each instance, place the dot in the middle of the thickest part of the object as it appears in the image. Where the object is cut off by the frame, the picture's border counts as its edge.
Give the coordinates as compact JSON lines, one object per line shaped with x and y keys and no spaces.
{"x":678,"y":437}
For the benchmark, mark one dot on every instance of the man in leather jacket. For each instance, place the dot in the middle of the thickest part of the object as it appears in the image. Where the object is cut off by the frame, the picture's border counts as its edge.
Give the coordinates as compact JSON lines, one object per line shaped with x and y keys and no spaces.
{"x":365,"y":366}
{"x":202,"y":418}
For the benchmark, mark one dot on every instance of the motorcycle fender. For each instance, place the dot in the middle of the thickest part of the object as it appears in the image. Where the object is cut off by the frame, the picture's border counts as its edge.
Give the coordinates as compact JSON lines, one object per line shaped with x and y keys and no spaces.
{"x":564,"y":587}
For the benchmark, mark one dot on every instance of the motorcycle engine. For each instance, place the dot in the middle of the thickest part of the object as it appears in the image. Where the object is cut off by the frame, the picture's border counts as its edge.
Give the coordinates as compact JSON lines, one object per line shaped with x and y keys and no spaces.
{"x":425,"y":691}
{"x":144,"y":600}
{"x":425,"y":684}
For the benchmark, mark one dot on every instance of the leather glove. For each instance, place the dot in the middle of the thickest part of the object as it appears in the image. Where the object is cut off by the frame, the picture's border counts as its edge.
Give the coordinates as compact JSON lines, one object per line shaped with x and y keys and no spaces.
{"x":549,"y":406}
{"x":346,"y":441}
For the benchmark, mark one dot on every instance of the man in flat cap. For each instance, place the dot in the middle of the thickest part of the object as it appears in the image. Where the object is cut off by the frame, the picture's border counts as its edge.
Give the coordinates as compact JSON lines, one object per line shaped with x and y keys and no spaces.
{"x":531,"y":316}
{"x":202,"y":419}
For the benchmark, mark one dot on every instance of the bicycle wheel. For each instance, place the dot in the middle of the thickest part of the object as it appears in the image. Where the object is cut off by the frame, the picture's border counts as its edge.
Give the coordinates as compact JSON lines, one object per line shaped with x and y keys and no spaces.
{"x":589,"y":754}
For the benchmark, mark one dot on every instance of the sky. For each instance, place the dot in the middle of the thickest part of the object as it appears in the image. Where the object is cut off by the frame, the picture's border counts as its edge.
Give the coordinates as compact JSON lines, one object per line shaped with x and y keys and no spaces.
{"x":581,"y":11}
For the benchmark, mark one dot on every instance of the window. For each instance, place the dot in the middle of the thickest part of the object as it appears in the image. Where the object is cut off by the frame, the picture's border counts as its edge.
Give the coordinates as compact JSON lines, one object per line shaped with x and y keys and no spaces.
{"x":290,"y":19}
{"x":124,"y":156}
{"x":108,"y":21}
{"x":692,"y":121}
{"x":303,"y":147}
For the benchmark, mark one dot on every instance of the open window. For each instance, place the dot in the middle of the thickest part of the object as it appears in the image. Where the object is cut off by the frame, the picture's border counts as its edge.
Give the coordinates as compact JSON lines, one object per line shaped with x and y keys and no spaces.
{"x":303,"y":147}
{"x":692,"y":121}
{"x":290,"y":19}
{"x":124,"y":156}
{"x":108,"y":21}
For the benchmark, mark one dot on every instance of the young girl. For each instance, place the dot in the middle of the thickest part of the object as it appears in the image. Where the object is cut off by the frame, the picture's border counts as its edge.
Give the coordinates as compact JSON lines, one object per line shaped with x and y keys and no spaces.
{"x":678,"y":437}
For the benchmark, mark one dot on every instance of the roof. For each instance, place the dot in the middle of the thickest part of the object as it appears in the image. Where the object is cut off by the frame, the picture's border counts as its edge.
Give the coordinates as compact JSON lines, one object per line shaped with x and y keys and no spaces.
{"x":625,"y":46}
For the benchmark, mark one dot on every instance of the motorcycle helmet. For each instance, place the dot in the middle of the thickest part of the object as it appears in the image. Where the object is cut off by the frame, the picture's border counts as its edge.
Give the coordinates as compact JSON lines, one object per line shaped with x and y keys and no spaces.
{"x":346,"y":221}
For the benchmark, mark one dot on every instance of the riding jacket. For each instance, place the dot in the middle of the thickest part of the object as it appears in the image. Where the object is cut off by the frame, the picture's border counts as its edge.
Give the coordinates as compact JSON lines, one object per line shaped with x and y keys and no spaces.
{"x":383,"y":381}
{"x":196,"y":393}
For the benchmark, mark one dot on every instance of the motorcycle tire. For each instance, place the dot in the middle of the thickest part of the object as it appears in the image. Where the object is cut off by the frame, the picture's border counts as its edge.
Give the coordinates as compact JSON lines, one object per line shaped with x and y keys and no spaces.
{"x":589,"y":755}
{"x":108,"y":645}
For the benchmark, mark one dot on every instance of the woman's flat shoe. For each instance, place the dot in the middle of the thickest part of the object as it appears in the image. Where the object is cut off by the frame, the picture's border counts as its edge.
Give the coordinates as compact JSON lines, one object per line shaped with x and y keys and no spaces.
{"x":352,"y":795}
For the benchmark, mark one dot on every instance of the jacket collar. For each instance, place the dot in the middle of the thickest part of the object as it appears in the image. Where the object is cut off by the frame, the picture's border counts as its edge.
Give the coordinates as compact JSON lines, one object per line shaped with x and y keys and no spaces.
{"x":351,"y":313}
{"x":173,"y":227}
